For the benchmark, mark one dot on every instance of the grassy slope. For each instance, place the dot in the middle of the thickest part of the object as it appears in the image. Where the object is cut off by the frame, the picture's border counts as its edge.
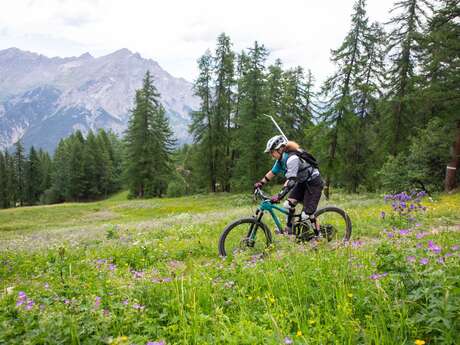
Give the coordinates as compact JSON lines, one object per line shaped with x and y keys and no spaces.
{"x":51,"y":253}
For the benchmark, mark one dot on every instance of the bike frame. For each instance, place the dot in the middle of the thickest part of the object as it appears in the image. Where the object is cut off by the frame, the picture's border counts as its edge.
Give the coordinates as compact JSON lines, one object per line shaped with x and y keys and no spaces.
{"x":266,"y":205}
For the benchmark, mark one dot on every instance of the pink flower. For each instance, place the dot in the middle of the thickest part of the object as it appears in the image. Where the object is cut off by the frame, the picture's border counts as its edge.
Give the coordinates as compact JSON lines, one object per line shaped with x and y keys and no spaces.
{"x":288,"y":341}
{"x":411,"y":259}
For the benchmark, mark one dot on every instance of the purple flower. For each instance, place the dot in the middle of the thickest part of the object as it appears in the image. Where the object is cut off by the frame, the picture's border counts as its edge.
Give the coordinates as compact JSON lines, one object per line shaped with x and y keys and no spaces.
{"x":423,"y":261}
{"x":138,"y":274}
{"x":382,"y":215}
{"x":455,"y":247}
{"x":411,"y":259}
{"x":419,"y":245}
{"x":440,"y":260}
{"x":434,"y":247}
{"x":377,"y":276}
{"x":22,"y":295}
{"x":288,"y":340}
{"x":97,"y":302}
{"x":112,"y":267}
{"x":160,"y":342}
{"x":106,"y":312}
{"x":418,"y":224}
{"x":390,"y":235}
{"x":412,"y":207}
{"x":125,"y":302}
{"x":357,"y":244}
{"x":30,"y":304}
{"x":404,"y":232}
{"x":167,"y":280}
{"x":138,"y":306}
{"x":66,"y":301}
{"x":46,"y":286}
{"x":448,"y":255}
{"x":403,"y":204}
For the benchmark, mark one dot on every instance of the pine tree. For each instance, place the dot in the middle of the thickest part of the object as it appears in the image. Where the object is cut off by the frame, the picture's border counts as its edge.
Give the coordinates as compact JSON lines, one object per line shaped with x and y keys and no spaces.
{"x":404,"y":48}
{"x":19,"y":164}
{"x":338,"y":88}
{"x":223,"y":109}
{"x":253,"y":127}
{"x":33,"y":178}
{"x":203,"y":126}
{"x":4,"y":197}
{"x":148,"y":143}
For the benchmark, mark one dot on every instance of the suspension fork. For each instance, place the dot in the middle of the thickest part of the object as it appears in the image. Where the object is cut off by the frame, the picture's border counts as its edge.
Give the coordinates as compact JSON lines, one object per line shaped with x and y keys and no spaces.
{"x":253,"y":229}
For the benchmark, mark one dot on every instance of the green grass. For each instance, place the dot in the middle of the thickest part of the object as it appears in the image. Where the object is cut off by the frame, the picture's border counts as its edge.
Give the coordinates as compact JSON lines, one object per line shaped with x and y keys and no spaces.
{"x":131,"y":271}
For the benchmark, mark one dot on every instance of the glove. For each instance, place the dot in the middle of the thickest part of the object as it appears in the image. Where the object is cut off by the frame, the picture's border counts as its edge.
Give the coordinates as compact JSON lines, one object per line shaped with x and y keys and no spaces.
{"x":275,"y":199}
{"x":258,"y":184}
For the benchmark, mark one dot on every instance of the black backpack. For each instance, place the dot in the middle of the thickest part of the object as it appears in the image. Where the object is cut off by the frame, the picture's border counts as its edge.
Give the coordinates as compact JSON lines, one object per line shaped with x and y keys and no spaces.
{"x":307,"y":157}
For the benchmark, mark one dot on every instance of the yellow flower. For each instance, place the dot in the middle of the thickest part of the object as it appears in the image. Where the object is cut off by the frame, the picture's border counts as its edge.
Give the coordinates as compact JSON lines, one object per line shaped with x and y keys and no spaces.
{"x":249,"y":297}
{"x":299,"y":333}
{"x":311,"y":322}
{"x":419,"y":342}
{"x":272,"y":300}
{"x":350,"y":295}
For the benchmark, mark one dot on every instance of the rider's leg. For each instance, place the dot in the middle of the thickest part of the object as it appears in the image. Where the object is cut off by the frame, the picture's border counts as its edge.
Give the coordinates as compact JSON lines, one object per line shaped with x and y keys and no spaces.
{"x":311,"y":200}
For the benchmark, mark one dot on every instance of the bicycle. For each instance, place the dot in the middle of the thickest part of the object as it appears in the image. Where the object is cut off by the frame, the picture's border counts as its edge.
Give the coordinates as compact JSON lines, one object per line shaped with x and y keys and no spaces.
{"x":240,"y":235}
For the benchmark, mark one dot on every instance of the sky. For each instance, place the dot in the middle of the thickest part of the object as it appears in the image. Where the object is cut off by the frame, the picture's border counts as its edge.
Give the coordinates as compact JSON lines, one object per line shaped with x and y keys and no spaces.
{"x":176,"y":33}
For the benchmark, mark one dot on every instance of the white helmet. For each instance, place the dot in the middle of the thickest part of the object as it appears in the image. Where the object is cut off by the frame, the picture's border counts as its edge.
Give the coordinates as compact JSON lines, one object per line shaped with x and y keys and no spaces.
{"x":275,"y":143}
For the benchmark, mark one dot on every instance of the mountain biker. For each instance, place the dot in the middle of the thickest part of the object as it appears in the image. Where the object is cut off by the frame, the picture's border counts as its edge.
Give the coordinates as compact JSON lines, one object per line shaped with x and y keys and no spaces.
{"x":303,"y":180}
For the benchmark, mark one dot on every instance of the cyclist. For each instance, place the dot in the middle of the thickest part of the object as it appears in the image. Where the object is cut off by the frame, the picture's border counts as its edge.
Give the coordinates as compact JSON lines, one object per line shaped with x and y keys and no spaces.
{"x":303,"y":180}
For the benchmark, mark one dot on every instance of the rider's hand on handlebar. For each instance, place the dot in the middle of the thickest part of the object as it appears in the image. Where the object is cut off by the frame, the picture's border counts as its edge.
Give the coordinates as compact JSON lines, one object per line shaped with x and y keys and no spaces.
{"x":275,"y":199}
{"x":258,"y":185}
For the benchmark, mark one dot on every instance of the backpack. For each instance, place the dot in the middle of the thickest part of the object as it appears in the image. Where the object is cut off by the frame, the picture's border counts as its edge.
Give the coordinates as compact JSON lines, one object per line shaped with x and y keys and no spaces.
{"x":307,"y":157}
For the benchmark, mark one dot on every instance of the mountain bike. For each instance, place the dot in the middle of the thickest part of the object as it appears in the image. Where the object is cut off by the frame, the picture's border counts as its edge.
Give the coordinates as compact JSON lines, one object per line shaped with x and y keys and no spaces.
{"x":252,"y":236}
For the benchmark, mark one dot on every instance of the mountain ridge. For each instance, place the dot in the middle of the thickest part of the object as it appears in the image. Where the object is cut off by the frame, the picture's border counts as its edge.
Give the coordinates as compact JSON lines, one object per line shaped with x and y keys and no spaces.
{"x":88,"y":88}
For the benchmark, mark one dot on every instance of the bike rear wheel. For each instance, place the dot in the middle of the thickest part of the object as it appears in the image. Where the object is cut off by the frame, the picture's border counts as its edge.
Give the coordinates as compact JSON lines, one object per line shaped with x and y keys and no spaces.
{"x":246,"y":236}
{"x":335,"y":224}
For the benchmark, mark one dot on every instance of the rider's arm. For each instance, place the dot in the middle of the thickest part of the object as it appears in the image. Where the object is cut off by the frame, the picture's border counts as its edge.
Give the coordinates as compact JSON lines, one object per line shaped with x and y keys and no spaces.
{"x":292,"y":167}
{"x":267,"y":177}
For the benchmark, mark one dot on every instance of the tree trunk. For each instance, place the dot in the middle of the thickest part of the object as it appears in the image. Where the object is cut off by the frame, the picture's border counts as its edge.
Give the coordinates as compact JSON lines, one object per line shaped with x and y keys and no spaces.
{"x":451,"y":169}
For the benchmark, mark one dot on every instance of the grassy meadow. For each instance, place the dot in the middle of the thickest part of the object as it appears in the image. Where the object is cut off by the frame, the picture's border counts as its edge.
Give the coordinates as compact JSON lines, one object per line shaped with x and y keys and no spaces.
{"x":147,"y":272}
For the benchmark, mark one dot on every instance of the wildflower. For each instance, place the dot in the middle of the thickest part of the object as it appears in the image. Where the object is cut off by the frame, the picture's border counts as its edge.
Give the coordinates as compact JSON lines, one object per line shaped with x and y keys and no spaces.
{"x":455,"y":247}
{"x":382,"y":215}
{"x":423,"y":261}
{"x":112,"y":267}
{"x":160,"y":342}
{"x":448,"y":255}
{"x":272,"y":300}
{"x":390,"y":235}
{"x":404,"y":232}
{"x":419,"y":342}
{"x":311,"y":322}
{"x":356,"y":244}
{"x":125,"y":302}
{"x":350,"y":295}
{"x":97,"y":302}
{"x":30,"y":304}
{"x":288,"y":341}
{"x":299,"y":333}
{"x":440,"y":260}
{"x":421,"y":235}
{"x":434,"y":247}
{"x":138,"y":306}
{"x":377,"y":276}
{"x":419,"y":245}
{"x":46,"y":286}
{"x":106,"y":312}
{"x":411,"y":259}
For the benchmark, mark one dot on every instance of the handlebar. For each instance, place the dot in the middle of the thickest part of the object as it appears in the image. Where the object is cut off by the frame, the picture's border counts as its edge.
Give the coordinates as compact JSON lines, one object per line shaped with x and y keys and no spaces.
{"x":259,"y":193}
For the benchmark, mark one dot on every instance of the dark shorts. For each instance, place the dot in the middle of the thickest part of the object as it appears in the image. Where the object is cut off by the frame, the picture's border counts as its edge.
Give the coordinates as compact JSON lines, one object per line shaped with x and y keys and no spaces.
{"x":308,"y":194}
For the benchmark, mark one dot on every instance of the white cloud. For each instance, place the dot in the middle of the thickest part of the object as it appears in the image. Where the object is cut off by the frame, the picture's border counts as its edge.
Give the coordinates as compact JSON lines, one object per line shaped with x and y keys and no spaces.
{"x":175,"y":33}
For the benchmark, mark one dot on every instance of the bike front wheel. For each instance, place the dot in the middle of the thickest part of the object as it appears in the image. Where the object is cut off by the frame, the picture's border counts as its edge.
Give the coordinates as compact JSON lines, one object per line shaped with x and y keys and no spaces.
{"x":335,"y":224}
{"x":246,"y":236}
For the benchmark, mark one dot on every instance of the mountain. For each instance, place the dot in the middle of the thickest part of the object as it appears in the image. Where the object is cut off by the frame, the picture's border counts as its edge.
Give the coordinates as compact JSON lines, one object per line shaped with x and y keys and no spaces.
{"x":43,"y":99}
